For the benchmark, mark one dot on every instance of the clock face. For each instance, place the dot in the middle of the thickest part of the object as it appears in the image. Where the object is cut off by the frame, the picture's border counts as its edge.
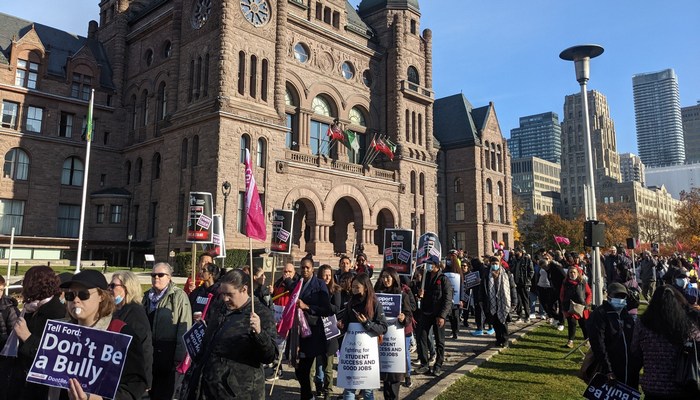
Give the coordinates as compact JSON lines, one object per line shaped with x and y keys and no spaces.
{"x":257,"y":12}
{"x":200,"y":13}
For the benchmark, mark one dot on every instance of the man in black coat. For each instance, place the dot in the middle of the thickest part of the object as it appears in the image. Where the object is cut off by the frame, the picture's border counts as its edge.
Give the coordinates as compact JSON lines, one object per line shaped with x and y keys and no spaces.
{"x":436,"y":304}
{"x":522,"y":269}
{"x":610,"y":330}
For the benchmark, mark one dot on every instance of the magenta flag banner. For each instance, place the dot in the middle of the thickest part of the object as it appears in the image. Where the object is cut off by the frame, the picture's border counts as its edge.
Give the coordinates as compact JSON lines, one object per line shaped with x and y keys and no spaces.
{"x":289,"y":311}
{"x":562,"y":240}
{"x":255,"y":216}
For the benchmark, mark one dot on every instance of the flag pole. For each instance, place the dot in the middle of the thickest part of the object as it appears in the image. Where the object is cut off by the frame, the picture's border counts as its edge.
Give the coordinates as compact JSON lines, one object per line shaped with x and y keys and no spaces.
{"x":88,"y":136}
{"x":252,"y":296}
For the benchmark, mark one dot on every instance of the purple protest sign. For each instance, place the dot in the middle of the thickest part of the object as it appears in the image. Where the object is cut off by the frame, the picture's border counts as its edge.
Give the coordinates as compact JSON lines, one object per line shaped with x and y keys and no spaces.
{"x":94,"y":357}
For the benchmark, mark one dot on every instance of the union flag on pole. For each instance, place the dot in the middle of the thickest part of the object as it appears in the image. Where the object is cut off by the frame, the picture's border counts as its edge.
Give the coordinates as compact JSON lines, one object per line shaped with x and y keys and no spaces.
{"x":254,"y":215}
{"x":562,"y":240}
{"x":334,"y":132}
{"x":289,"y":312}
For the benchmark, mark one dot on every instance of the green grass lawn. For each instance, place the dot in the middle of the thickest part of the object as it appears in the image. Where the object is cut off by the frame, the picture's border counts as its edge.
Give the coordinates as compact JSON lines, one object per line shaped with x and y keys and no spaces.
{"x":533,"y":368}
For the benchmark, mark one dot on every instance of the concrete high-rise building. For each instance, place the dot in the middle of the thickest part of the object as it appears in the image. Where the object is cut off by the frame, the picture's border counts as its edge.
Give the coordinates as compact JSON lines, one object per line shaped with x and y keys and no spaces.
{"x":657,"y":112}
{"x":691,"y":133}
{"x":184,"y":88}
{"x":573,"y":162}
{"x":536,"y":183}
{"x":539,"y":135}
{"x":631,"y":168}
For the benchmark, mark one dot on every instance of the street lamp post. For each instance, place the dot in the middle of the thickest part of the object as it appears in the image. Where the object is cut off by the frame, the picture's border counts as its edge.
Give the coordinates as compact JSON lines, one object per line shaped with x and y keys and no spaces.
{"x":128,"y":251}
{"x":581,"y":56}
{"x":170,"y":232}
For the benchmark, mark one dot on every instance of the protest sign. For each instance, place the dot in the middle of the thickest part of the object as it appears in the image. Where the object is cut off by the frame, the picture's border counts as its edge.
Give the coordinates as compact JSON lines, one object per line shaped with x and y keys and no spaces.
{"x":429,"y":248}
{"x":358,"y":364}
{"x":94,"y":357}
{"x":472,"y":279}
{"x":398,"y":246}
{"x":199,"y":221}
{"x":278,"y":309}
{"x":193,"y":338}
{"x":456,"y":286}
{"x":600,"y":388}
{"x":330,"y":327}
{"x":217,"y":239}
{"x":391,"y":303}
{"x":392,"y":351}
{"x":282,"y":228}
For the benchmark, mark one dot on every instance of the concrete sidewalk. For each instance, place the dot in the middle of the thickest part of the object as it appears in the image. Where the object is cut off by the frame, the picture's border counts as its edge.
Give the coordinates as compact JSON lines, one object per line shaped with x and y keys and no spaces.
{"x":461,"y":356}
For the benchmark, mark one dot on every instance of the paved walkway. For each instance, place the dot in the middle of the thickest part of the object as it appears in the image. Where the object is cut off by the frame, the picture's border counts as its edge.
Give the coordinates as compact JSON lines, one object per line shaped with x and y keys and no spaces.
{"x":461,"y":356}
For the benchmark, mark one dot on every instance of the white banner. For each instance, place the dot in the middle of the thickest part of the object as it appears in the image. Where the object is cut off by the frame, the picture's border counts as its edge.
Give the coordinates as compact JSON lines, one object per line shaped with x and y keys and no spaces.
{"x":456,"y":286}
{"x":392,"y":351}
{"x":358,"y":364}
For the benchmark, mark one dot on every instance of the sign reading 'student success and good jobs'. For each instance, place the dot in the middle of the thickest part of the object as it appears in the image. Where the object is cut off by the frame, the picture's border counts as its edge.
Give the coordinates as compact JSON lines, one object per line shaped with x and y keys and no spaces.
{"x":358,"y":364}
{"x":94,"y":357}
{"x":200,"y":218}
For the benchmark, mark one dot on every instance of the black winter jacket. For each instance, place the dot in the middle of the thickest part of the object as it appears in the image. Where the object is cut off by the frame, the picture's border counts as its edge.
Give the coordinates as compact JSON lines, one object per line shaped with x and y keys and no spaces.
{"x":610,"y":335}
{"x":437,"y":299}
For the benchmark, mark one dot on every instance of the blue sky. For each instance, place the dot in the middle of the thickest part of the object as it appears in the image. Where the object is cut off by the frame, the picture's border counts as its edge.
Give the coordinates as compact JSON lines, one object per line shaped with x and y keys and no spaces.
{"x":507,"y":51}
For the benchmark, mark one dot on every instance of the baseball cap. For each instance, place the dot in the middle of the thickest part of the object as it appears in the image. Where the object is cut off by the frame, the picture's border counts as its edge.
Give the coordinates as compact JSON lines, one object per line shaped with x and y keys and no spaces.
{"x":89,"y":278}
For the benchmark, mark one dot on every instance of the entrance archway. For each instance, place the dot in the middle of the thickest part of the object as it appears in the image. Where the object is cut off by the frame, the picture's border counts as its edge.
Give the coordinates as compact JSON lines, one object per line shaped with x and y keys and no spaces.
{"x":385,"y":219}
{"x":304,"y":224}
{"x":345,"y":234}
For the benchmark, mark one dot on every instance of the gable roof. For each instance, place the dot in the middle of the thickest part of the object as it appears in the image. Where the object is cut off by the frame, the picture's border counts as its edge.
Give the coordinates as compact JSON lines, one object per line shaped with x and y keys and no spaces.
{"x":454,"y":123}
{"x":59,"y":44}
{"x":355,"y":22}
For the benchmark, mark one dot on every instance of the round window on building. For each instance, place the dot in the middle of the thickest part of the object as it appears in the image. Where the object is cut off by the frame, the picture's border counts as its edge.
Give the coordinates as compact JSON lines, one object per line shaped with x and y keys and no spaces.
{"x":367,"y":78}
{"x":301,"y":52}
{"x":348,"y":70}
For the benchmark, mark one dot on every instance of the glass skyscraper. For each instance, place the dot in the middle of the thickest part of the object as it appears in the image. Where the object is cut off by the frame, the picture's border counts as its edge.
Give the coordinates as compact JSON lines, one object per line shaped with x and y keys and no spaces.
{"x":538,"y":136}
{"x":657,"y":112}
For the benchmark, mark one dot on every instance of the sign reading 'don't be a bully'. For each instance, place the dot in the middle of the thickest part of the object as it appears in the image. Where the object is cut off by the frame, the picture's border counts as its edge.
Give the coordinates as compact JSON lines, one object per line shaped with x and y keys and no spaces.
{"x":94,"y":357}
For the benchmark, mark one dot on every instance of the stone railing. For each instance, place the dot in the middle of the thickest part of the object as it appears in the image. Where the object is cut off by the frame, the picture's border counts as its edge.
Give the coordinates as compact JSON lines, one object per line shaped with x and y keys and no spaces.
{"x":328,"y":163}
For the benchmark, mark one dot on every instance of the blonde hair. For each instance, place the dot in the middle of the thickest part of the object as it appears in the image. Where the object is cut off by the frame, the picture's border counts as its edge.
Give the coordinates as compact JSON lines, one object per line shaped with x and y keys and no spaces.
{"x":132,"y":287}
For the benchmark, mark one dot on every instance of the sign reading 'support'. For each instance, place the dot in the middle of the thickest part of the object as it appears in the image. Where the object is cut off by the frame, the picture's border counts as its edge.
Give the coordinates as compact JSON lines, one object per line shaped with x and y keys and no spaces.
{"x":92,"y":356}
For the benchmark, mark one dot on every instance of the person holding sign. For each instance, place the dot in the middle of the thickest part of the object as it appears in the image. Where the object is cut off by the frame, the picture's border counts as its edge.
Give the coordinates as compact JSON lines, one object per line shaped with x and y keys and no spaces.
{"x":236,"y":344}
{"x":170,"y":314}
{"x":389,"y":283}
{"x":90,"y":304}
{"x":199,"y":297}
{"x":324,"y":362}
{"x":363,"y":308}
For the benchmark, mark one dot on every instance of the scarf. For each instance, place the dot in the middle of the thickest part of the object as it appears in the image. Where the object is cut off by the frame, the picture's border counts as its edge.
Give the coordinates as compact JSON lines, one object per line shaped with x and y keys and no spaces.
{"x":154,"y":298}
{"x":499,"y":295}
{"x":12,"y":344}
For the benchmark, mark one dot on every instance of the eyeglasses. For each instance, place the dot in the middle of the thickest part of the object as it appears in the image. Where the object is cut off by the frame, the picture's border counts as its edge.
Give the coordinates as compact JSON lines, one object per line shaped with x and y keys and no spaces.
{"x":113,"y":285}
{"x":82,"y":295}
{"x":159,"y":274}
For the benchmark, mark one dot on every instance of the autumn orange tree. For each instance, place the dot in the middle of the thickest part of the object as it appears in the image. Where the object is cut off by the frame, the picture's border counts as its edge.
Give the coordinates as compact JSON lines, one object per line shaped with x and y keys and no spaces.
{"x":688,"y":219}
{"x":620,"y":223}
{"x":518,"y":211}
{"x":542,"y":231}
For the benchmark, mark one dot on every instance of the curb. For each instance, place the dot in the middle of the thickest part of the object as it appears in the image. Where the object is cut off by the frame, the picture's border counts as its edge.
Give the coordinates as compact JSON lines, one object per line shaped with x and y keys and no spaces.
{"x":472,"y":363}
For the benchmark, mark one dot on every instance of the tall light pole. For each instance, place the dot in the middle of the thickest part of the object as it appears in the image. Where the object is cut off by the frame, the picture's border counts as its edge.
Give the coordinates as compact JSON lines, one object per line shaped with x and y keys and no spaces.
{"x":581,"y":56}
{"x":128,"y":251}
{"x":170,"y":232}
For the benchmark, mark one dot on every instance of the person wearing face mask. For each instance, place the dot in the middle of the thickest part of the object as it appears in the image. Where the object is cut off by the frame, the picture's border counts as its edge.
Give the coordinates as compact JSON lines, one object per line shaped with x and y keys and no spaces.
{"x":499,"y":296}
{"x":126,"y":290}
{"x":610,"y":329}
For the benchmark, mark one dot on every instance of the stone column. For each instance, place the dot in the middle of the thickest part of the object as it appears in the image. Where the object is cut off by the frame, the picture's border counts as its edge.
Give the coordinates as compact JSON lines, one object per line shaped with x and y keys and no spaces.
{"x":280,"y":64}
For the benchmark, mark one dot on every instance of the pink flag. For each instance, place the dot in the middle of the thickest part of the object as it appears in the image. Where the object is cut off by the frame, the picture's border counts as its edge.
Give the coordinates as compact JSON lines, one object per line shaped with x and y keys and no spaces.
{"x":255,"y":216}
{"x":288,"y":314}
{"x":496,"y":246}
{"x":562,"y":240}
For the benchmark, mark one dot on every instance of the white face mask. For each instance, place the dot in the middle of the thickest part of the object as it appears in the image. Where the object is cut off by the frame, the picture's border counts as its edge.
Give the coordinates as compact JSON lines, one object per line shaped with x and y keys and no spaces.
{"x":681,"y":282}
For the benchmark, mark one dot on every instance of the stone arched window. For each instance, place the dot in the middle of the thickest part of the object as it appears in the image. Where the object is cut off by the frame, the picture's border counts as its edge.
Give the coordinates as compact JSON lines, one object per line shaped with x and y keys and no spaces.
{"x":489,"y":186}
{"x":458,"y":185}
{"x":487,"y":158}
{"x":261,"y":153}
{"x":245,"y":144}
{"x":413,"y":76}
{"x":291,"y":110}
{"x":324,"y":112}
{"x":162,"y":106}
{"x":155,"y":167}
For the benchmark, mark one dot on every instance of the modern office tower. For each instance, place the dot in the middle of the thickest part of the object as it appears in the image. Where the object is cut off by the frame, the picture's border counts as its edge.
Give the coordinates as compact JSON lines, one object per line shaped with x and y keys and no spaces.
{"x":657,"y":112}
{"x":539,"y":135}
{"x":631,"y":168}
{"x":536,"y":183}
{"x":691,"y":133}
{"x":573,"y":158}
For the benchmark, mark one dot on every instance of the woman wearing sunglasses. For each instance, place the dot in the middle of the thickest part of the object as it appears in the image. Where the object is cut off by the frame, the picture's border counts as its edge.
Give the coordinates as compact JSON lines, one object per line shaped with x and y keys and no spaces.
{"x":90,"y":304}
{"x":126,"y":290}
{"x":170,"y":314}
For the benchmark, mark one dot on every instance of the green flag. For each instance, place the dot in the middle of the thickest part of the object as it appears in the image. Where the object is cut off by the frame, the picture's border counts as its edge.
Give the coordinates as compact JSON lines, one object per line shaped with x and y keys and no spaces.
{"x":351,"y":141}
{"x":87,"y":134}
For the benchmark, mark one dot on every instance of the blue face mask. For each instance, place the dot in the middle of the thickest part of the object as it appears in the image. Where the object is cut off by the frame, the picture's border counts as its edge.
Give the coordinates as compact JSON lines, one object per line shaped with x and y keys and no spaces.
{"x":681,"y":282}
{"x":495,"y":267}
{"x":118,"y":299}
{"x":429,"y":267}
{"x":617,"y":304}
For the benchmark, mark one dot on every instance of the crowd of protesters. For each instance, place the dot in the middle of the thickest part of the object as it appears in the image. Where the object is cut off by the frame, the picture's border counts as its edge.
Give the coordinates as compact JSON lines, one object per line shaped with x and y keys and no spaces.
{"x":241,"y":344}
